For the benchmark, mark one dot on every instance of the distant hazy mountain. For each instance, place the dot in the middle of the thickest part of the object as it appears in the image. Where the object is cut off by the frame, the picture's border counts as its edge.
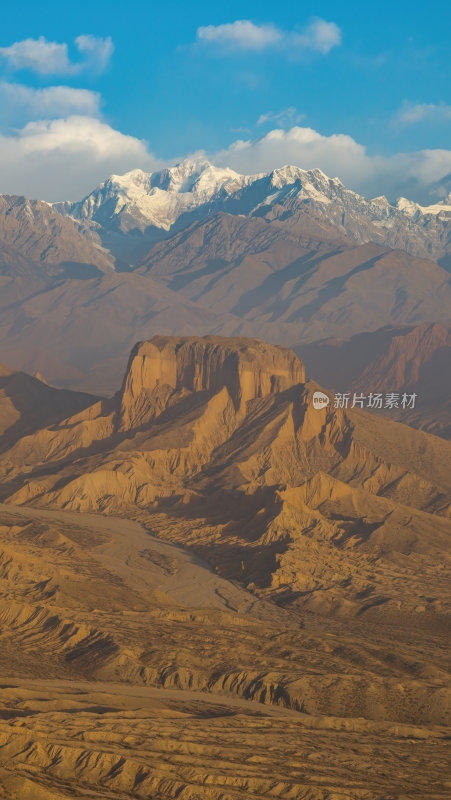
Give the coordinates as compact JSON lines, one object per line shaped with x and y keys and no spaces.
{"x":42,"y":236}
{"x":283,"y":280}
{"x":289,"y":256}
{"x":27,"y":404}
{"x":277,"y":276}
{"x":161,"y":201}
{"x":410,"y":359}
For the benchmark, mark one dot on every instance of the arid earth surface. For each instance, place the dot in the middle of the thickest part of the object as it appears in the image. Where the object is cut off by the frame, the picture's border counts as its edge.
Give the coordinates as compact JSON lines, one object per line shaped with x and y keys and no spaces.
{"x":209,"y":589}
{"x":130,"y":669}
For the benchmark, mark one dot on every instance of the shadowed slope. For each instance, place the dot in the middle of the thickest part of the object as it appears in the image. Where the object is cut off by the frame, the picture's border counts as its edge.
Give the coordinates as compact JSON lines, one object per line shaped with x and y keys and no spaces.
{"x":27,"y":404}
{"x":279,"y":279}
{"x":286,"y":277}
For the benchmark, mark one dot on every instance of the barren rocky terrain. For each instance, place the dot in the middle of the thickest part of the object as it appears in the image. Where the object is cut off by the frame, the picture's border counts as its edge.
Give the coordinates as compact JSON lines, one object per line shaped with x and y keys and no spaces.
{"x":210,"y":589}
{"x":131,"y":669}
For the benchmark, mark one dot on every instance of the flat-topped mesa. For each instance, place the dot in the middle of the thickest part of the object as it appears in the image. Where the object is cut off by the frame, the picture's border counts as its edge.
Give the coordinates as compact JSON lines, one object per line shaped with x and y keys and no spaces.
{"x":248,"y":369}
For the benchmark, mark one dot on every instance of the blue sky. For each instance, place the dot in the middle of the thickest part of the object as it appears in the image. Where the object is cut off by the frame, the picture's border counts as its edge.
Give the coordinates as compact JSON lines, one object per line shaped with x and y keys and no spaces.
{"x":183,"y":77}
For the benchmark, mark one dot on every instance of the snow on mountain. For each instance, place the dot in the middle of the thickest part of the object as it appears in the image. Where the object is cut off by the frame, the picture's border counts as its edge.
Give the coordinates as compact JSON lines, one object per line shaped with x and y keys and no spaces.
{"x":160,"y":198}
{"x":140,"y":199}
{"x":159,"y":202}
{"x":415,"y":210}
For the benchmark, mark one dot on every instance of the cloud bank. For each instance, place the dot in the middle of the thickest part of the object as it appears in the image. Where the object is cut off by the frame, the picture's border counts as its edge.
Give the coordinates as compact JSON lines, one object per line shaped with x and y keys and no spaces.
{"x":65,"y":158}
{"x":18,"y":101}
{"x":243,"y":35}
{"x":52,"y":58}
{"x":420,"y":176}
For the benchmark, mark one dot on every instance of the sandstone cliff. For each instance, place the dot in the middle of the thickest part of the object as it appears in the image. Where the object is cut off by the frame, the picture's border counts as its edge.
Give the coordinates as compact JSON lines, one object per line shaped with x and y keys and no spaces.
{"x":247,"y":368}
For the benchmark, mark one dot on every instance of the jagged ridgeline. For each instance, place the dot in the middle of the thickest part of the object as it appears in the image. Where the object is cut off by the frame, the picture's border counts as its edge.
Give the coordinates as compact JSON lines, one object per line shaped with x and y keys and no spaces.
{"x":142,"y":201}
{"x":289,"y":256}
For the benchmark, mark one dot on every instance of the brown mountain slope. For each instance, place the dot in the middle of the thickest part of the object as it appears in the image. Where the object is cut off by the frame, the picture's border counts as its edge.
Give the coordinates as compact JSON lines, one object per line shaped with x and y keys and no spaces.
{"x":44,"y":236}
{"x":278,"y":280}
{"x":79,"y":333}
{"x":227,"y":275}
{"x":14,"y":265}
{"x":27,"y":404}
{"x":19,"y":279}
{"x":399,"y":360}
{"x":421,"y":235}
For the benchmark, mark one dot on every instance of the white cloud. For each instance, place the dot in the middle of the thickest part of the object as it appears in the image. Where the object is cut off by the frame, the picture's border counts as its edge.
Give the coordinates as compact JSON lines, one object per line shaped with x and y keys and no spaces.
{"x":52,"y":58}
{"x":289,"y":116}
{"x":65,"y":158}
{"x":37,"y":54}
{"x":299,"y":146}
{"x":245,"y":36}
{"x":241,"y":35}
{"x":319,"y":35}
{"x":97,"y":51}
{"x":421,"y":112}
{"x":18,"y":101}
{"x":415,"y":175}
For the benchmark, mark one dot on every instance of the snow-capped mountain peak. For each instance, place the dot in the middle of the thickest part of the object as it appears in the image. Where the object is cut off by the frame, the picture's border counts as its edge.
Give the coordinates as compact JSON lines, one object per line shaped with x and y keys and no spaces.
{"x":171,"y":198}
{"x":288,"y":175}
{"x":158,"y":198}
{"x":412,"y":209}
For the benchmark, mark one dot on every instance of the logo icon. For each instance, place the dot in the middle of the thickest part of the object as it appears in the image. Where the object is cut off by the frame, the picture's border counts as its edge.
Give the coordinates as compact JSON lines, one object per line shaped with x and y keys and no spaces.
{"x":320,"y":400}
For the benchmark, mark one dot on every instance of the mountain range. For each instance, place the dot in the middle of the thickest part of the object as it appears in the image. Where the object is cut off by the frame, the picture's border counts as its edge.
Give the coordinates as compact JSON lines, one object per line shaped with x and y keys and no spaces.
{"x":170,"y":199}
{"x":211,"y":588}
{"x":291,"y":256}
